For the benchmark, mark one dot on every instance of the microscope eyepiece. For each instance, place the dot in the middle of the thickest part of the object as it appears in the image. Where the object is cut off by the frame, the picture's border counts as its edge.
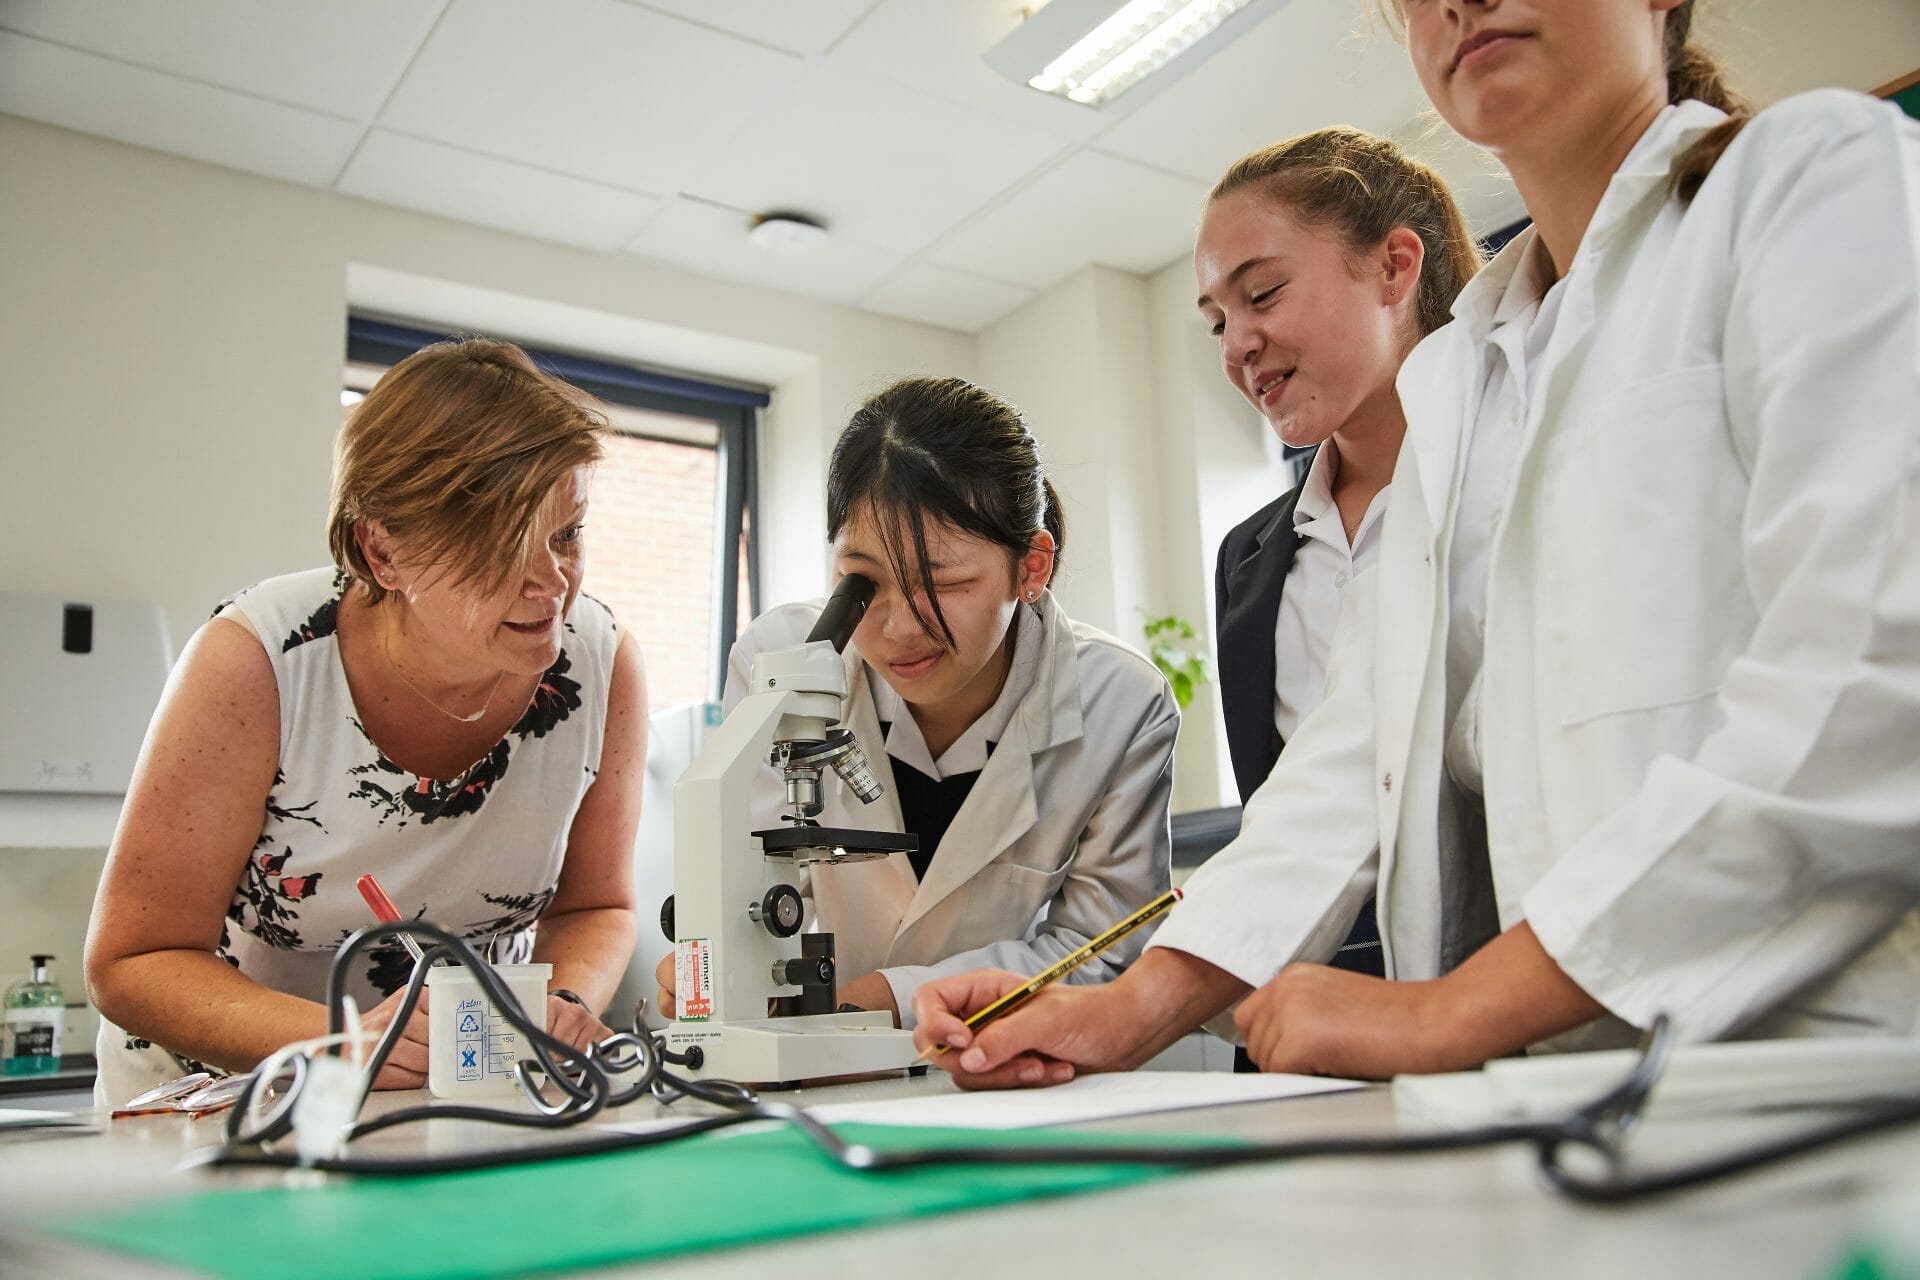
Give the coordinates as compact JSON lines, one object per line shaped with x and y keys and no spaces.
{"x":845,"y":607}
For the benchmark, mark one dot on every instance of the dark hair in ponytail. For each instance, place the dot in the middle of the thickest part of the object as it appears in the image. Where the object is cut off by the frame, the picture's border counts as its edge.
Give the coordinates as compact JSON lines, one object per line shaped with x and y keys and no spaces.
{"x":945,"y":450}
{"x":1692,"y":73}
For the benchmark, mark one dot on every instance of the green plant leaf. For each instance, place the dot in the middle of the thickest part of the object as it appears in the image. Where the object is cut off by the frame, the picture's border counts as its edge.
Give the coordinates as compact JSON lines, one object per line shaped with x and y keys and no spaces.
{"x":1171,"y":648}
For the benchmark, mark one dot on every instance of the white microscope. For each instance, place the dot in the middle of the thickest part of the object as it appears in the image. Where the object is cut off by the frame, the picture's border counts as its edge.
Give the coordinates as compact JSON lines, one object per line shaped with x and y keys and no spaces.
{"x":735,"y":917}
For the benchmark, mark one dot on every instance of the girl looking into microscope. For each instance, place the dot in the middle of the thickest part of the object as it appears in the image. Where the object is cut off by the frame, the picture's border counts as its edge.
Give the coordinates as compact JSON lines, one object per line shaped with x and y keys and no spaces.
{"x":1030,"y":754}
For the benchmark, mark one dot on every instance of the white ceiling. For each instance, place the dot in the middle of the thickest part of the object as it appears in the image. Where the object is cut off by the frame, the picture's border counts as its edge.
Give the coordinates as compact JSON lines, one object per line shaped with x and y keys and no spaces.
{"x":657,"y":129}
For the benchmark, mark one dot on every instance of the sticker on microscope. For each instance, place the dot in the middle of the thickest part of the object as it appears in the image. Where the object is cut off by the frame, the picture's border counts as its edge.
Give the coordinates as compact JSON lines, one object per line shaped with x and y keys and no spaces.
{"x":693,"y":979}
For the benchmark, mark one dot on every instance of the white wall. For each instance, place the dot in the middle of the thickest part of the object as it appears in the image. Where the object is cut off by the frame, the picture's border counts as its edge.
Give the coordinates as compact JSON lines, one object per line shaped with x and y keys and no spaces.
{"x":1220,"y":462}
{"x":1076,"y":360}
{"x":174,"y":334}
{"x":1155,"y":457}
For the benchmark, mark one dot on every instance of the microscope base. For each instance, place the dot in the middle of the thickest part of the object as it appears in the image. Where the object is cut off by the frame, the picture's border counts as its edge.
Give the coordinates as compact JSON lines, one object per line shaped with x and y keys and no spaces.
{"x":783,"y":1051}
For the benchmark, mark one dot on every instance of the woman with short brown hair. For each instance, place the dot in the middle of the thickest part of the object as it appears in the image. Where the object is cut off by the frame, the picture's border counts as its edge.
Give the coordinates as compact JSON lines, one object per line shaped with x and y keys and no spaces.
{"x":442,"y":708}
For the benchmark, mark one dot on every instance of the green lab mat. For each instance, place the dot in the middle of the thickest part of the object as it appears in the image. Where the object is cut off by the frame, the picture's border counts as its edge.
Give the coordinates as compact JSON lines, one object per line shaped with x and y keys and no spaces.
{"x":1871,"y":1263}
{"x":704,"y":1192}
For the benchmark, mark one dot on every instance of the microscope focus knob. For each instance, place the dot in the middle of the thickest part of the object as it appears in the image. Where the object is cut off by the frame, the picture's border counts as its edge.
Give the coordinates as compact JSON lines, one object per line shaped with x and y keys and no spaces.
{"x":804,"y":971}
{"x":781,"y":911}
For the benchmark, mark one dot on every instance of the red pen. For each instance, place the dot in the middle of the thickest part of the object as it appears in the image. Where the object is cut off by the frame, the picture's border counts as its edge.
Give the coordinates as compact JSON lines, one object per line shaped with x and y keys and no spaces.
{"x":384,"y":910}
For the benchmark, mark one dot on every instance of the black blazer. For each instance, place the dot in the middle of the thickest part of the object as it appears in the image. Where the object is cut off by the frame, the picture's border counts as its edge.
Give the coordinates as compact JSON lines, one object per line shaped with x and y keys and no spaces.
{"x":1249,"y":575}
{"x":1248,"y":578}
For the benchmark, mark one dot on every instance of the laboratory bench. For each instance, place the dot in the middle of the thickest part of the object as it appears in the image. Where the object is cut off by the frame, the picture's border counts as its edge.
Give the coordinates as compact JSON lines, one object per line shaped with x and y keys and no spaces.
{"x":1468,"y":1214}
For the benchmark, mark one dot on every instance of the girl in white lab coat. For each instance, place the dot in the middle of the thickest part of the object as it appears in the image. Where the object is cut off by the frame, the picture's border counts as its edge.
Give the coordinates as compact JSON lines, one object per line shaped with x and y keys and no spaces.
{"x":1030,"y":754}
{"x":1321,"y":261}
{"x":1649,"y":595}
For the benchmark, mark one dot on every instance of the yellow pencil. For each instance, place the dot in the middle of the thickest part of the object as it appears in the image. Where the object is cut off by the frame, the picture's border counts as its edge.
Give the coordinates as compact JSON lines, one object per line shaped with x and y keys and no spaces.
{"x":1020,"y":995}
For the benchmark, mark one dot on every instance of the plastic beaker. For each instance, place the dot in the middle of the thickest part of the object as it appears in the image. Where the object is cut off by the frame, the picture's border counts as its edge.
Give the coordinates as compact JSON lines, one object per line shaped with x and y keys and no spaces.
{"x":471,"y":1049}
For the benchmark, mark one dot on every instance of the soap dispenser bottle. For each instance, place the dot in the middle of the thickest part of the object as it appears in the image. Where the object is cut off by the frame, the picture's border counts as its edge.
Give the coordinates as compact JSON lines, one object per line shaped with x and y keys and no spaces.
{"x":35,"y":1008}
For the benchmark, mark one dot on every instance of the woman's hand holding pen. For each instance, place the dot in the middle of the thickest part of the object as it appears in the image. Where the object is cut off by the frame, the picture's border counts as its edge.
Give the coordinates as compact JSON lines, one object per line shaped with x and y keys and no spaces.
{"x":406,"y":1065}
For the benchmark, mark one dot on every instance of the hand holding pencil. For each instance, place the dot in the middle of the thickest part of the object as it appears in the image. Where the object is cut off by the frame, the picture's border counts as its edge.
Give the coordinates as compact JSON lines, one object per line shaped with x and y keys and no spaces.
{"x":951,"y":1011}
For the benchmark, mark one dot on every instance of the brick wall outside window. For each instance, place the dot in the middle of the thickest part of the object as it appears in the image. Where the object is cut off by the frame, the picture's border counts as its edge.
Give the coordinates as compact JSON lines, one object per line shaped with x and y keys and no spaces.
{"x":650,"y":534}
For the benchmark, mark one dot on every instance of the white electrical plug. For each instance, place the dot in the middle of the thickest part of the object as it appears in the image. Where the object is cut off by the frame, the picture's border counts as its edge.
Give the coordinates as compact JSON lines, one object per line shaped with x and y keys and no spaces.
{"x":328,"y":1104}
{"x":331,"y":1094}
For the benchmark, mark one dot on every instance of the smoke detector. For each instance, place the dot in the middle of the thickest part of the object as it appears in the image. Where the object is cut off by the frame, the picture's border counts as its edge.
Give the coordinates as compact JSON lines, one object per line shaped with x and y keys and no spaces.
{"x":787,"y":234}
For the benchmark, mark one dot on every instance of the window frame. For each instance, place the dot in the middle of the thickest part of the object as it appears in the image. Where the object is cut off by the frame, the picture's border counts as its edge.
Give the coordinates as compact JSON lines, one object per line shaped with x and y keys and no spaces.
{"x":734,"y":411}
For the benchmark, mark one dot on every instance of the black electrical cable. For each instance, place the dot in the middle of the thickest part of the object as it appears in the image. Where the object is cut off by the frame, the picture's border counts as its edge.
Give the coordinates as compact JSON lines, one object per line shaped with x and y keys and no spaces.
{"x":582,"y":1080}
{"x":582,"y":1076}
{"x":1599,"y":1126}
{"x":1875,"y":1117}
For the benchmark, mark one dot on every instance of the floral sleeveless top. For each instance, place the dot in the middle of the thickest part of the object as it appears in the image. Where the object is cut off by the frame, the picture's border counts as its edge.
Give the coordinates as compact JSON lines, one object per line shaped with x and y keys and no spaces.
{"x":478,"y":854}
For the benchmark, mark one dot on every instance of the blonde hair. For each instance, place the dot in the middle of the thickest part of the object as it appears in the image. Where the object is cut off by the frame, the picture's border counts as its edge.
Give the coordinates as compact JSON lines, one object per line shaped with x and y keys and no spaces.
{"x":1363,"y":187}
{"x":453,"y":452}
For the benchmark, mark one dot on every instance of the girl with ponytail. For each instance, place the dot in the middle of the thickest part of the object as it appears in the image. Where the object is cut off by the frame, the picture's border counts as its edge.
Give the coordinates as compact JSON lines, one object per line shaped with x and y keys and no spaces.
{"x":1031,"y":754}
{"x":1321,"y":261}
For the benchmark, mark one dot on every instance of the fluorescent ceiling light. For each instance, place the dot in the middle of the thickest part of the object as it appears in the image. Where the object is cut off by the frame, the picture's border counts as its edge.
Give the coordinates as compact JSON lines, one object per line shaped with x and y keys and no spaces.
{"x":1136,"y":41}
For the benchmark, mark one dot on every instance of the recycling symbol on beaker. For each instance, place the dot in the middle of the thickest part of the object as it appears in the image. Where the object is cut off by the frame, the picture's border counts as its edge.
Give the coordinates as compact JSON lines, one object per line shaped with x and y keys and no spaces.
{"x":469,"y":1024}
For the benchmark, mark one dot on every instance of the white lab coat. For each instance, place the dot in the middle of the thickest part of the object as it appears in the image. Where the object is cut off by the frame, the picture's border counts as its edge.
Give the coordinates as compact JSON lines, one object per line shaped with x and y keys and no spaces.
{"x":1064,"y":833}
{"x":1700,"y":723}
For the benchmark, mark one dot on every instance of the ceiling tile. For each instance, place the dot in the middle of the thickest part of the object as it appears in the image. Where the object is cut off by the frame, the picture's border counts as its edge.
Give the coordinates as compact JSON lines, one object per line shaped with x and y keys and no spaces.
{"x":939,"y":49}
{"x":1311,"y":65}
{"x":496,"y":193}
{"x":1093,"y":208}
{"x":879,"y":165}
{"x":597,"y":88}
{"x":341,"y":57}
{"x":149,"y":109}
{"x":712,"y":241}
{"x":949,"y":299}
{"x":811,"y":27}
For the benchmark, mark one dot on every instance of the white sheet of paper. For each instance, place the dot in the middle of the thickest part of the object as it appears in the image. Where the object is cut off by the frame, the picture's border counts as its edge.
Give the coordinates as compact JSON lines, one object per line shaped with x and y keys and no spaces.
{"x":1097,"y":1097}
{"x":17,"y":1116}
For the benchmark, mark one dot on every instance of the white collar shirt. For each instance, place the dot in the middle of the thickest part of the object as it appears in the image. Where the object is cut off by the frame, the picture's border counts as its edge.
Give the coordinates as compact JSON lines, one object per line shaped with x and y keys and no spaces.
{"x":1523,"y":323}
{"x":968,"y":753}
{"x":1324,"y":565}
